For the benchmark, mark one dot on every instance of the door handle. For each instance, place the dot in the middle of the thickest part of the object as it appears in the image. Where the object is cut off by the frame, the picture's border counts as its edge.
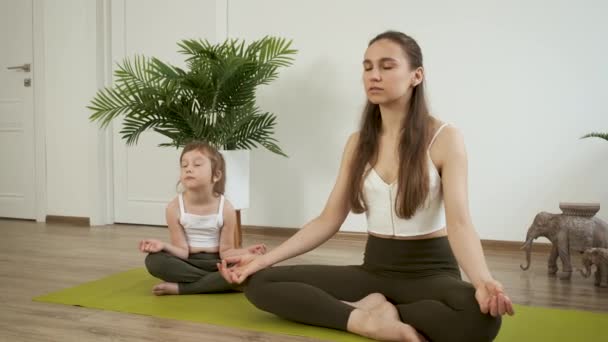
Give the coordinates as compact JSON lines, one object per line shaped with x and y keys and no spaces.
{"x":25,"y":67}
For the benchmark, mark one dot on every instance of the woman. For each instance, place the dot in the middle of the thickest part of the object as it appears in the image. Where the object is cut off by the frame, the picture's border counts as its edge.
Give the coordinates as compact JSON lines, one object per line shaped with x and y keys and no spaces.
{"x":408,"y":172}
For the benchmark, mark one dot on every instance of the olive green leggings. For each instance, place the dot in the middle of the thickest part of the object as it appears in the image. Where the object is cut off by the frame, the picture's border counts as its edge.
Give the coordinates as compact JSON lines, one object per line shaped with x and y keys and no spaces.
{"x":198,"y":274}
{"x":420,"y":277}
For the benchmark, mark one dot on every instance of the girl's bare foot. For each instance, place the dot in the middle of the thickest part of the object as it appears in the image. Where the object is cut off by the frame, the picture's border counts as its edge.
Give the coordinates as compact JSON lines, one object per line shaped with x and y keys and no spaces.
{"x":165,"y":289}
{"x":368,"y":302}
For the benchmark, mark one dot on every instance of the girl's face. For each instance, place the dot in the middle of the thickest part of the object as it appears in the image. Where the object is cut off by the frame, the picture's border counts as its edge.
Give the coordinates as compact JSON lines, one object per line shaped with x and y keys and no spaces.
{"x":387,"y":75}
{"x":196,"y":170}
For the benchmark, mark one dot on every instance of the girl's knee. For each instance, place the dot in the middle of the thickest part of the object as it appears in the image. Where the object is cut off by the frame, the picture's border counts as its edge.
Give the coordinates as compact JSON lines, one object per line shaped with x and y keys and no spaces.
{"x":156,"y":263}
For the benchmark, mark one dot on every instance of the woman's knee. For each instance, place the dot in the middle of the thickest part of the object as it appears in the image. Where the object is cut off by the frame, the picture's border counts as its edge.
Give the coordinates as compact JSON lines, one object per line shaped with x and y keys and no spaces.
{"x":256,"y":288}
{"x":492,"y":327}
{"x":480,"y":327}
{"x":484,"y":327}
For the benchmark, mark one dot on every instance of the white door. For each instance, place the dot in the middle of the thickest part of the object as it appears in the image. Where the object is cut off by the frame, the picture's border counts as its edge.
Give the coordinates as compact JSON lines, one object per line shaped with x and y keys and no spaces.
{"x":145,"y":176}
{"x":16,"y":110}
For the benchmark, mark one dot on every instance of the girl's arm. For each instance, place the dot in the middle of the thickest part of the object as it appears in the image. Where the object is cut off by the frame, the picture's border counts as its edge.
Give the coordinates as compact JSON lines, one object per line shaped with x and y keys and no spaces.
{"x":228,"y":233}
{"x":179,"y":244}
{"x":228,"y":247}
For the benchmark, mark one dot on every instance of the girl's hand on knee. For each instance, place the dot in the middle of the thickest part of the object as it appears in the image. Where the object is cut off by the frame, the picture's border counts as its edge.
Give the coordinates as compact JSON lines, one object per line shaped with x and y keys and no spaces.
{"x":151,"y":246}
{"x":492,"y":299}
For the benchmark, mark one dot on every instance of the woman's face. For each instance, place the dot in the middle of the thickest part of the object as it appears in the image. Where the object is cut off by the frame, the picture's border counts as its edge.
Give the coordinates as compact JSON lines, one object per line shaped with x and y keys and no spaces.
{"x":387,"y":75}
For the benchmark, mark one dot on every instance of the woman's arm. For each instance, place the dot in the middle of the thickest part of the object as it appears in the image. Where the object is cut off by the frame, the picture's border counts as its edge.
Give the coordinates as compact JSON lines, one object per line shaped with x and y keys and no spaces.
{"x":310,"y":236}
{"x":324,"y":226}
{"x":463,"y":238}
{"x":461,"y":232}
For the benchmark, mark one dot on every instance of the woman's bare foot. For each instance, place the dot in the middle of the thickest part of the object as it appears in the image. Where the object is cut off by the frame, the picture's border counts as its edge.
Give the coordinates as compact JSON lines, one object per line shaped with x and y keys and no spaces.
{"x":165,"y":289}
{"x":368,"y":302}
{"x":385,"y":310}
{"x":382,"y":323}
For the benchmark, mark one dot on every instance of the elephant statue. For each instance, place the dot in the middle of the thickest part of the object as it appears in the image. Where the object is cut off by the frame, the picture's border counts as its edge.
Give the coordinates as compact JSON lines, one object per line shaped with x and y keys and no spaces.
{"x":567,"y":233}
{"x":599,"y":258}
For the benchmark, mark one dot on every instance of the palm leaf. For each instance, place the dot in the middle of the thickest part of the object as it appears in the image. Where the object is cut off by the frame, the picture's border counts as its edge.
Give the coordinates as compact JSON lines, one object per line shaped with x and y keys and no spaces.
{"x":596,"y":135}
{"x":212,"y":99}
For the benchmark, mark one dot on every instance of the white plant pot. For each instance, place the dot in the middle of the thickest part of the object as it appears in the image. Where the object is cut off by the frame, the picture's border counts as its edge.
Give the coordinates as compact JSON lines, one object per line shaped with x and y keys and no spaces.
{"x":237,"y":177}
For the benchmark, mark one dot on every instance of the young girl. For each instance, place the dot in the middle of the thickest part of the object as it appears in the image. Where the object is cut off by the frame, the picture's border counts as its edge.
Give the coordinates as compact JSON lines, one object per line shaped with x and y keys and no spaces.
{"x":202,"y":228}
{"x":408,"y":172}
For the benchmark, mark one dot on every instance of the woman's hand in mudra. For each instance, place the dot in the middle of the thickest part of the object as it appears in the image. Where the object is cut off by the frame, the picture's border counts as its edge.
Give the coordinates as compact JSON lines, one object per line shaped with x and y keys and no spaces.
{"x":492,"y":299}
{"x":241,"y":267}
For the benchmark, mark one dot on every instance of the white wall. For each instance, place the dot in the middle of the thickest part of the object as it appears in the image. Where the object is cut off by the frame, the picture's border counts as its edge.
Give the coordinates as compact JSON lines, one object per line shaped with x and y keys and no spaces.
{"x":70,"y":82}
{"x":522,"y":81}
{"x":145,"y":175}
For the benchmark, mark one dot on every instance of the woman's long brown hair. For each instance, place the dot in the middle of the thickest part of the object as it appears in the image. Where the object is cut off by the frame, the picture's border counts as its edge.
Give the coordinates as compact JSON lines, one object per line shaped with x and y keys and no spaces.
{"x":413,"y":182}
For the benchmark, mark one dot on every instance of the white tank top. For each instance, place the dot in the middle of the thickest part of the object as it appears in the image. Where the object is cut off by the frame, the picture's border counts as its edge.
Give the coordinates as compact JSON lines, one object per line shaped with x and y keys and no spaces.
{"x":202,"y":230}
{"x":380,"y":202}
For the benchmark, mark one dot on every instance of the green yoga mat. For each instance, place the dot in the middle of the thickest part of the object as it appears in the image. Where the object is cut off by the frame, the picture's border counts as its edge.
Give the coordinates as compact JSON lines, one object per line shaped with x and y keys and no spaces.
{"x":131,"y":292}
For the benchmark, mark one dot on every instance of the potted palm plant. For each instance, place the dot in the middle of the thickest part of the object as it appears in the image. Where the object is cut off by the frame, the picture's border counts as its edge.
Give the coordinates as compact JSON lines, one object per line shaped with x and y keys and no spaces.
{"x":213,"y":99}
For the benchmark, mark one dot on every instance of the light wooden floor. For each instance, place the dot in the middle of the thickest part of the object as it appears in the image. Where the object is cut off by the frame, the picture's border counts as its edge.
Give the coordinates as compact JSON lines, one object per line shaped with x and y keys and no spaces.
{"x":37,"y":258}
